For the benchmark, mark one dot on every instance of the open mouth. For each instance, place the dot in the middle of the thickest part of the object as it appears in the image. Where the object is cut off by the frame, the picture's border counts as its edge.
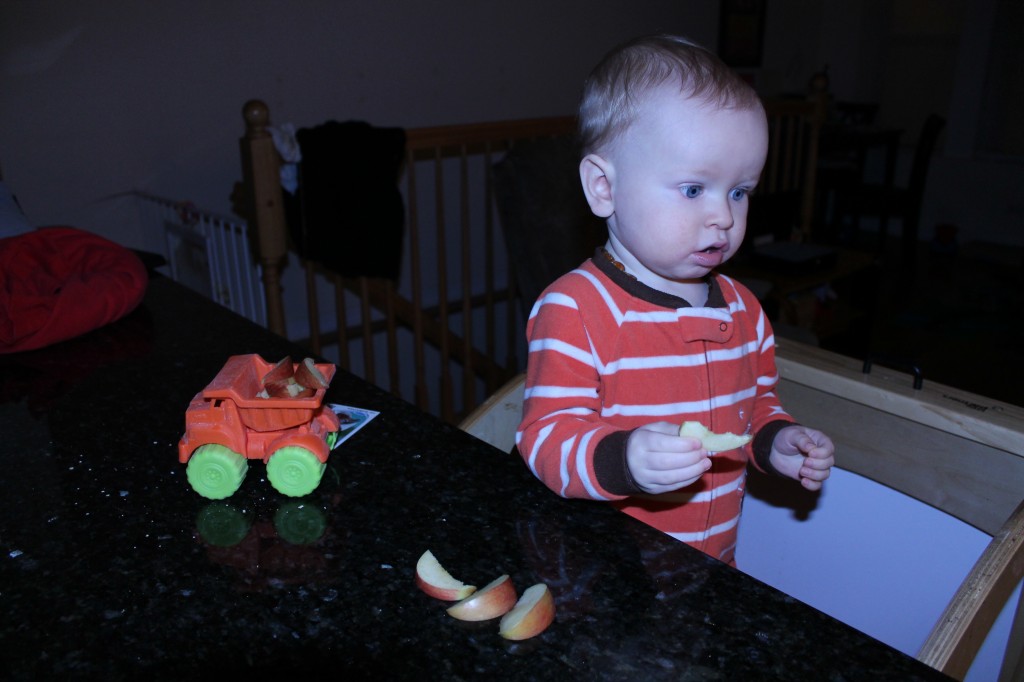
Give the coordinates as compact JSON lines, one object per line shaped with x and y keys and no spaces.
{"x":710,"y":257}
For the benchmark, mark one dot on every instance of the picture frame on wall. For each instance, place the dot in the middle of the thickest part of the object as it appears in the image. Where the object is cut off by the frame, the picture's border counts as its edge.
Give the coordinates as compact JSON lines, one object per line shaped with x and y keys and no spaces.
{"x":741,"y":32}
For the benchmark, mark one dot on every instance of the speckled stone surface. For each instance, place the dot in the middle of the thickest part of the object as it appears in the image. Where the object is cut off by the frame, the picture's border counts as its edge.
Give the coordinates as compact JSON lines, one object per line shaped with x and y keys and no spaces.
{"x":113,"y":568}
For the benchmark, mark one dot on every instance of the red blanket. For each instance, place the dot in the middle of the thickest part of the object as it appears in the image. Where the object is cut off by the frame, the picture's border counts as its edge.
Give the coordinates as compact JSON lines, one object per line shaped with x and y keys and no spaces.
{"x":59,"y":282}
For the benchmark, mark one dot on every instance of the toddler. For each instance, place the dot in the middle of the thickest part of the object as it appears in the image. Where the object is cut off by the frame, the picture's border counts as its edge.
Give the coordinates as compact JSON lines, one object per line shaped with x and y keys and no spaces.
{"x":646,"y":335}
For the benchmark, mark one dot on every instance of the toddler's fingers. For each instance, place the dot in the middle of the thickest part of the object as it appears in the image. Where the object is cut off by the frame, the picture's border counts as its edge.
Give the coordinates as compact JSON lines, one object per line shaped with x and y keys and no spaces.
{"x":810,"y":472}
{"x":819,"y":460}
{"x":810,"y":484}
{"x":818,"y":451}
{"x":662,"y":481}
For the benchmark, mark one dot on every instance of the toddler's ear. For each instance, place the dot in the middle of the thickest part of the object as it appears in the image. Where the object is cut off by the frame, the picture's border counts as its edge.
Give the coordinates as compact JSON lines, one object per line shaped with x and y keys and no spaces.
{"x":596,"y":175}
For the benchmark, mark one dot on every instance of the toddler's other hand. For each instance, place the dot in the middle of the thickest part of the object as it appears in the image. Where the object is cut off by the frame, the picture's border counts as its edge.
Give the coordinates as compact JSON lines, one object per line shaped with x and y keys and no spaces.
{"x":660,"y":460}
{"x":804,"y":454}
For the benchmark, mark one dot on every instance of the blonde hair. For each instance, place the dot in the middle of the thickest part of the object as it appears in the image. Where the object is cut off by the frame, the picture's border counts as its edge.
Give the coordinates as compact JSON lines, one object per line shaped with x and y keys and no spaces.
{"x":617,"y":85}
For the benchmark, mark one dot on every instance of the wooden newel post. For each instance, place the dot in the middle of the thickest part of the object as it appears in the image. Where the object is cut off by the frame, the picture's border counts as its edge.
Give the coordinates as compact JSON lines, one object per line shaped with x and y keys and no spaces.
{"x":261,"y":173}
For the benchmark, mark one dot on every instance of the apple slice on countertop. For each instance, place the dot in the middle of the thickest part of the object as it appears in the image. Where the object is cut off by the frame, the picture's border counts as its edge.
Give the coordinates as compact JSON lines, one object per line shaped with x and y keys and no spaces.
{"x":712,"y":442}
{"x":432,"y":578}
{"x":531,"y":615}
{"x":495,"y":599}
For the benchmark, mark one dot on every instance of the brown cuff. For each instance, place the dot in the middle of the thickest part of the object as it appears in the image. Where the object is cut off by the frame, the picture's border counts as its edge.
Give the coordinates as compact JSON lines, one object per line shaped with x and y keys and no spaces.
{"x":610,"y":465}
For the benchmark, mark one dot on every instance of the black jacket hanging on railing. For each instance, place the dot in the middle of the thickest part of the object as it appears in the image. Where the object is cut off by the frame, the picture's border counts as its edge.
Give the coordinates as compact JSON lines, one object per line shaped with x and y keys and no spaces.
{"x":347,"y":213}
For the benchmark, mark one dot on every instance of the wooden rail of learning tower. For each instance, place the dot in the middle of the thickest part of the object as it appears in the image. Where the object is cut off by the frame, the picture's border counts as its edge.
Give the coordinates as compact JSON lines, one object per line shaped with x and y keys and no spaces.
{"x":456,"y":297}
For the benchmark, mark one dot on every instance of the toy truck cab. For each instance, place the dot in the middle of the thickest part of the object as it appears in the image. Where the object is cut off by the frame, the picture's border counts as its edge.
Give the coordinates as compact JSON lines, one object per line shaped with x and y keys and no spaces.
{"x":234,"y":420}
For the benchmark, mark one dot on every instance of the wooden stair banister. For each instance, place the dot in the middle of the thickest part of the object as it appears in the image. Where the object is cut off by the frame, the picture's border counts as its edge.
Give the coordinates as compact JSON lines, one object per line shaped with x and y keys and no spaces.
{"x":445,"y":322}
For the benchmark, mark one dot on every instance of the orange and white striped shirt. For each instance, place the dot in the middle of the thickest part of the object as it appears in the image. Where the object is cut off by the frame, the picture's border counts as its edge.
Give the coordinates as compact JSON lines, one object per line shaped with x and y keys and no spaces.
{"x":608,"y":354}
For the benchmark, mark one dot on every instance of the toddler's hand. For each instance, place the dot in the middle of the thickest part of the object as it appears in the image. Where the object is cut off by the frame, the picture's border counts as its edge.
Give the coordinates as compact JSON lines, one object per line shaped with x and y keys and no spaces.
{"x":804,"y":454}
{"x":660,"y":460}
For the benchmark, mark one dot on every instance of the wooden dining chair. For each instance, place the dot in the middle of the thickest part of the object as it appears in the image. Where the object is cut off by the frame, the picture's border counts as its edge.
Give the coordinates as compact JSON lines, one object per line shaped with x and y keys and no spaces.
{"x":783,"y":205}
{"x":902,"y":202}
{"x":935,"y":444}
{"x":545,"y":219}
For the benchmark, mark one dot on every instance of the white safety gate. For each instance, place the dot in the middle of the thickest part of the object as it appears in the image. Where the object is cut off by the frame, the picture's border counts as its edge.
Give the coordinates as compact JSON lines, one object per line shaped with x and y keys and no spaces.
{"x":208,"y":253}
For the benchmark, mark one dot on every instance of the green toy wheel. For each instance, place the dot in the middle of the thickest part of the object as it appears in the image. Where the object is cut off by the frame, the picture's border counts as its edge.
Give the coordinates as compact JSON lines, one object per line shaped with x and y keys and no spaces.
{"x":215,"y":471}
{"x":294,"y":471}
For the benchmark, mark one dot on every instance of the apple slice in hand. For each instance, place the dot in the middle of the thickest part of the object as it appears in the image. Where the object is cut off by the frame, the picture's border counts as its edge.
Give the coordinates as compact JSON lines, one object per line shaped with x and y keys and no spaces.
{"x":495,"y":599}
{"x":531,"y":615}
{"x":712,"y":442}
{"x":439,"y":583}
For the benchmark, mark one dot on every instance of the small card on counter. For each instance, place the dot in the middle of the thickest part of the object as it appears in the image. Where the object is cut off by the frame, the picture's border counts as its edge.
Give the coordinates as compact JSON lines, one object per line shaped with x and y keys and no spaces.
{"x":351,"y":420}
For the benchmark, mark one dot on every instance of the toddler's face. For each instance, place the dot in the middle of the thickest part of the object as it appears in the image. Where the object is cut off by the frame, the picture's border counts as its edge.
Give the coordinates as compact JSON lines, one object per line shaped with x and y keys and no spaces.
{"x":680,"y":179}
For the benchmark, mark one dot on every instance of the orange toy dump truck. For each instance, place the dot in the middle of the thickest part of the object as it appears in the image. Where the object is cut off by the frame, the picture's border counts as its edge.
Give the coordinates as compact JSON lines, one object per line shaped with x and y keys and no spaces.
{"x":235,"y":419}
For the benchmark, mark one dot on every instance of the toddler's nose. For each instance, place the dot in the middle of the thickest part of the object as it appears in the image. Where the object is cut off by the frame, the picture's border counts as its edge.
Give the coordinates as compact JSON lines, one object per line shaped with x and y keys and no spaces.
{"x":720,"y":216}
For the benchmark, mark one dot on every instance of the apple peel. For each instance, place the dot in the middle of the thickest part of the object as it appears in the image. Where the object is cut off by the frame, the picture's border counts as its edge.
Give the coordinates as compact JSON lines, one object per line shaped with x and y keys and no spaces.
{"x":307,"y":375}
{"x":495,"y":599}
{"x":713,"y":442}
{"x":531,"y":615}
{"x":433,"y":579}
{"x":281,"y":371}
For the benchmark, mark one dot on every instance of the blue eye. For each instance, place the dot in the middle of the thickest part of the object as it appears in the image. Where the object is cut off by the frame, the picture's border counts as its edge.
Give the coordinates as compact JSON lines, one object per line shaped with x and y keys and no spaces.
{"x":738,"y":194}
{"x":691,"y":191}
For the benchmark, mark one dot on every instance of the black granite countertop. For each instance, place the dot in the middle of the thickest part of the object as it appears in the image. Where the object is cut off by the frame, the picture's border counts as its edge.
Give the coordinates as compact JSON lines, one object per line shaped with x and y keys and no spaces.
{"x":111,"y":567}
